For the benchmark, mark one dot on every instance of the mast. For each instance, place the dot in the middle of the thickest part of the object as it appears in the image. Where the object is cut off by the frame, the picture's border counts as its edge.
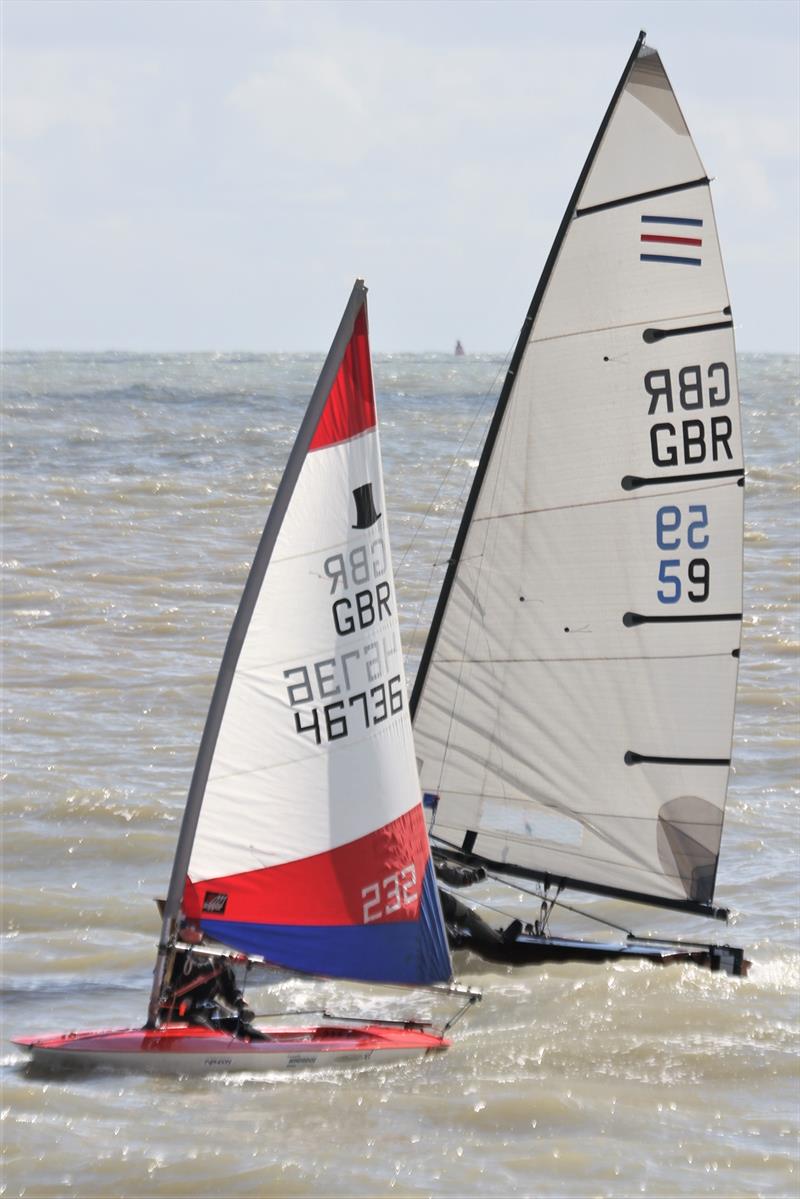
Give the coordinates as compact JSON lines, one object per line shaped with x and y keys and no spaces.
{"x":236,"y":638}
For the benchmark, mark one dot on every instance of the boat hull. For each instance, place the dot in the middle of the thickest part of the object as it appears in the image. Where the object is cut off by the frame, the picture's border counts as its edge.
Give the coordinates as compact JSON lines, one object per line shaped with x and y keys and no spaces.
{"x":184,"y":1049}
{"x":530,"y":949}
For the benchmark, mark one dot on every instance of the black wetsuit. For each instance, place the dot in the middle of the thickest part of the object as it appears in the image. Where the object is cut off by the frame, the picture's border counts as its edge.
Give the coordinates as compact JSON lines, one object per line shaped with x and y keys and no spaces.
{"x":465,"y":929}
{"x":204,"y":992}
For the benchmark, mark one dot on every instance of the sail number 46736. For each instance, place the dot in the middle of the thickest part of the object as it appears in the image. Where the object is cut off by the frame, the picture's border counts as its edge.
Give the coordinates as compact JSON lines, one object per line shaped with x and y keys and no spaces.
{"x":392,"y":893}
{"x":365,"y":709}
{"x":672,"y":531}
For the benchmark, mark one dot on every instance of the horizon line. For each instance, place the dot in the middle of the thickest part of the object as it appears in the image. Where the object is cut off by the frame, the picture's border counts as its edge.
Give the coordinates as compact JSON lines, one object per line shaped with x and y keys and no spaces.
{"x":224,"y":353}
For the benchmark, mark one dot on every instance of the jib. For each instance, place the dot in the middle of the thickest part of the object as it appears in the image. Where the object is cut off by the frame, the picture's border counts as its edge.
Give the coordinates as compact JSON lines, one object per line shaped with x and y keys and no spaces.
{"x":362,"y":610}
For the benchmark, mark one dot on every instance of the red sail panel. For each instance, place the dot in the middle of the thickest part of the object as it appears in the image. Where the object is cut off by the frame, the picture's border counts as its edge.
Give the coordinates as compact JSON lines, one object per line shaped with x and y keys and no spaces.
{"x":351,"y":404}
{"x":376,"y":878}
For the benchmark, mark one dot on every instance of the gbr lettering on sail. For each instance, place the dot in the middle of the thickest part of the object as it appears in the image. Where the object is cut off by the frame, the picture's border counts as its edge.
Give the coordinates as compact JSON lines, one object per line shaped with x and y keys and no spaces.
{"x":361,"y":684}
{"x":690,"y":425}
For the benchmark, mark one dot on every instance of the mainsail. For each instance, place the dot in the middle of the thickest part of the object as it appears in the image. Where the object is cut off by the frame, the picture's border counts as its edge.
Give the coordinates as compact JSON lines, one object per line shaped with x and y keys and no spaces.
{"x":304,"y":840}
{"x":573,"y":710}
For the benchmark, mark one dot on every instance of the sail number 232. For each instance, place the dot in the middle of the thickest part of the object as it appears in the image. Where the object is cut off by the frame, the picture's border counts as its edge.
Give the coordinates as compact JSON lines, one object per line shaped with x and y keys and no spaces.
{"x":392,"y":893}
{"x":675,"y":531}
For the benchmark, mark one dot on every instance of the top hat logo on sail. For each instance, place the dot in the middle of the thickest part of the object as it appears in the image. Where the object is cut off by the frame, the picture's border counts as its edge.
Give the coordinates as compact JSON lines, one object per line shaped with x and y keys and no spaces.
{"x":366,"y":513}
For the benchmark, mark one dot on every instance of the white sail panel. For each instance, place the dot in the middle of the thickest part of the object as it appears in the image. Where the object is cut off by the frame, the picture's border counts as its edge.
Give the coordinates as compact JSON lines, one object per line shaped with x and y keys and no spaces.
{"x":607,"y":276}
{"x":647,"y":146}
{"x":556,"y":584}
{"x":508,"y":777}
{"x":576,"y":708}
{"x":295,"y":662}
{"x":596,"y":417}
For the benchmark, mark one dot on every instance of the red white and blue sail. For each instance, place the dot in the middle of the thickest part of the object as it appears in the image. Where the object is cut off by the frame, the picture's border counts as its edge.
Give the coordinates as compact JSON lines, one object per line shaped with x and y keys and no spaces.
{"x":310,"y":847}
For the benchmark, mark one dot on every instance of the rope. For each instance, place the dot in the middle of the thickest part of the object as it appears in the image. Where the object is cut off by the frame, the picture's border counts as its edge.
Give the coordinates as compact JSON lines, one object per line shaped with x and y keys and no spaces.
{"x":546,"y":900}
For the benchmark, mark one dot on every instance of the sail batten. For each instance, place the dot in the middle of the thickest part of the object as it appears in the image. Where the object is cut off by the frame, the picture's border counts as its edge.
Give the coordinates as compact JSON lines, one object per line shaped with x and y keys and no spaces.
{"x":659,"y":191}
{"x":587,"y":609}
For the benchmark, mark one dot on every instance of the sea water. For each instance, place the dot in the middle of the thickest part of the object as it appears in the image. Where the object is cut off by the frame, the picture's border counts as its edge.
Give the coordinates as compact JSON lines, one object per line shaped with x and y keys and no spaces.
{"x":135,"y":490}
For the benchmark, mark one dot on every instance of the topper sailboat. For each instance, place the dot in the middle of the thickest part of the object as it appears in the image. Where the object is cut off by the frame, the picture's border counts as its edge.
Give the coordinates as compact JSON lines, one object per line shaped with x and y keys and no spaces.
{"x":573,"y":708}
{"x":303,"y":842}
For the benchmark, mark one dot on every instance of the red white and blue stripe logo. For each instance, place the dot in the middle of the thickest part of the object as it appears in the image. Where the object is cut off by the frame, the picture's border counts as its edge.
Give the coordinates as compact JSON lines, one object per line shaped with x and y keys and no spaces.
{"x":673,"y":233}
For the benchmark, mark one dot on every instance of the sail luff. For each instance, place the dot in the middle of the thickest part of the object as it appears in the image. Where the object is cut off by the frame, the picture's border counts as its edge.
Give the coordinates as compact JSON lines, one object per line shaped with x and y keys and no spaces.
{"x":508,"y":384}
{"x":238,"y":631}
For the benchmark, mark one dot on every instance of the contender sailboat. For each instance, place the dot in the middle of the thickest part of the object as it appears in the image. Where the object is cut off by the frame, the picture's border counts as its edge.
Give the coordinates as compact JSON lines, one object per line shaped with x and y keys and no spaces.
{"x":303,"y":842}
{"x":573,"y":708}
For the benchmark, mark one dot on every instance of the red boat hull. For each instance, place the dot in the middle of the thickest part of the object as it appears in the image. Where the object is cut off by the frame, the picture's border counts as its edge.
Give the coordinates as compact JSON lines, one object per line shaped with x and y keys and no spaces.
{"x":185,"y":1049}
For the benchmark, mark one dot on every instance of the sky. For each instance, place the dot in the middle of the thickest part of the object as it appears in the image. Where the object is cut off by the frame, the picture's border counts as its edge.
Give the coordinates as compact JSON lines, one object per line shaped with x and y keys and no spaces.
{"x":213,"y":174}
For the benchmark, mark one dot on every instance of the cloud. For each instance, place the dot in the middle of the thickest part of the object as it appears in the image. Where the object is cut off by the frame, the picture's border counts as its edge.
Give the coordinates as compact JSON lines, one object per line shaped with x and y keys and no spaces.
{"x":750,"y":150}
{"x":358,"y":94}
{"x":247,"y":157}
{"x":49,"y":91}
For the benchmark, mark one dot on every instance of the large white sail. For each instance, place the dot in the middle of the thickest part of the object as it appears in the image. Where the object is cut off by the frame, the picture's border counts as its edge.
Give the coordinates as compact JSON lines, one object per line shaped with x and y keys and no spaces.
{"x":574,"y":705}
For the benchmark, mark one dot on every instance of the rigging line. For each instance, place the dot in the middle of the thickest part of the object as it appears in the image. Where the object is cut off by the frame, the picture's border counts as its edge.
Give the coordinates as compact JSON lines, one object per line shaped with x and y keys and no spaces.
{"x":421,"y":524}
{"x":485,"y":398}
{"x":626,"y":325}
{"x":561,"y":904}
{"x":446,"y":1028}
{"x":535,"y":895}
{"x":300,"y":1011}
{"x":446,"y":535}
{"x":620,"y":499}
{"x":355,"y":1018}
{"x":479,"y":903}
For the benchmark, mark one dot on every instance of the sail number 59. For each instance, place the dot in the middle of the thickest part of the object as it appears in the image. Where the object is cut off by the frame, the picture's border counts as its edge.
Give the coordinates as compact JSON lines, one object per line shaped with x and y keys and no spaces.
{"x":392,"y":893}
{"x":669,"y":535}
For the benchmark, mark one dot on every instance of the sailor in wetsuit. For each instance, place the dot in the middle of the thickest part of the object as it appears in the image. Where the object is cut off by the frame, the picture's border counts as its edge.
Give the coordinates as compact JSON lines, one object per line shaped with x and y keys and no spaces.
{"x":465,"y":928}
{"x":204,"y":992}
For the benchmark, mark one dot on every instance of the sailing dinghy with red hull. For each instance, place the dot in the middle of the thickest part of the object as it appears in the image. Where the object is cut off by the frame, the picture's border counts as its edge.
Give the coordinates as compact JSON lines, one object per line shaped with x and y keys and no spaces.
{"x":303,"y":842}
{"x":573,"y":708}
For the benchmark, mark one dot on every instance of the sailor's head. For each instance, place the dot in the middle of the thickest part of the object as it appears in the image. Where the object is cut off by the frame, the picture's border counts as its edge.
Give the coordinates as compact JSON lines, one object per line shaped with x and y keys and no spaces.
{"x":191,"y":932}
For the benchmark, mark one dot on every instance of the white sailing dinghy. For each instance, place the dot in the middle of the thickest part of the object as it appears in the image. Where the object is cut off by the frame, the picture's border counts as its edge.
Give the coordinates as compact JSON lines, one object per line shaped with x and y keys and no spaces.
{"x":303,"y":841}
{"x":573,"y":708}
